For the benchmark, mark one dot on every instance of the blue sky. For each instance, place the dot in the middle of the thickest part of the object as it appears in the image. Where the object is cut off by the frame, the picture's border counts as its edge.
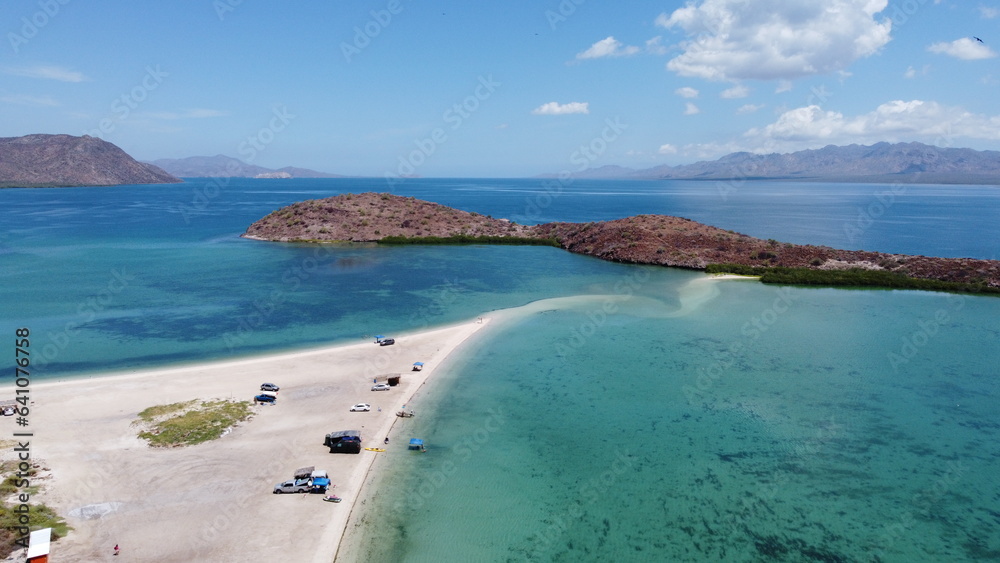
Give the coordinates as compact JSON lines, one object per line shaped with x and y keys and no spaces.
{"x":501,"y":89}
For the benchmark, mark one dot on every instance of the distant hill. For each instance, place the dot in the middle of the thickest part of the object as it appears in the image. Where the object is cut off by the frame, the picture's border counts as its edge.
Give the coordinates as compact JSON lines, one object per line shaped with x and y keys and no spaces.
{"x":226,"y":166}
{"x":64,"y":160}
{"x":913,"y":163}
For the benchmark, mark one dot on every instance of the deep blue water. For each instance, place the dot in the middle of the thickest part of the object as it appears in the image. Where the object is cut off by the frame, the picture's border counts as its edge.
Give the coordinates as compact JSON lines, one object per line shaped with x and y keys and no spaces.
{"x":651,"y":417}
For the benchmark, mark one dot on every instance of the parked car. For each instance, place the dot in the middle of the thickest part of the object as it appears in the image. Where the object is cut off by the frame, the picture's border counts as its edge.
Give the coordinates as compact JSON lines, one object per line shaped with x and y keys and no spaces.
{"x":361,"y":407}
{"x":387,"y":342}
{"x":265,"y":398}
{"x":381,"y":387}
{"x":269,"y":387}
{"x":293,"y":486}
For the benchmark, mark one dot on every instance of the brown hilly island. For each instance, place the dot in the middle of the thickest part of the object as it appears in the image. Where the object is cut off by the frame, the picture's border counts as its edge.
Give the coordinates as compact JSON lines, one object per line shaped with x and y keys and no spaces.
{"x":65,"y":161}
{"x":643,"y":239}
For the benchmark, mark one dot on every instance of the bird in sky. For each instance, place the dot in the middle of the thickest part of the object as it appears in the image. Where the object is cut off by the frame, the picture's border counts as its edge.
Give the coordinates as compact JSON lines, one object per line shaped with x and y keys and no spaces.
{"x":977,"y":39}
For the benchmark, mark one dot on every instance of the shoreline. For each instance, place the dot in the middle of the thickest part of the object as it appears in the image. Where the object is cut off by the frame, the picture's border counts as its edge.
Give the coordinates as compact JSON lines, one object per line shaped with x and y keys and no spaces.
{"x":114,"y":489}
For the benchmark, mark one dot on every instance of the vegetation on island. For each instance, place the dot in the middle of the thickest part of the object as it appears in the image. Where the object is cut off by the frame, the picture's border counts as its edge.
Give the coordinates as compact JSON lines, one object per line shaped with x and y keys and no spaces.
{"x":643,"y":239}
{"x":470,"y":239}
{"x":191,"y":422}
{"x":852,"y":277}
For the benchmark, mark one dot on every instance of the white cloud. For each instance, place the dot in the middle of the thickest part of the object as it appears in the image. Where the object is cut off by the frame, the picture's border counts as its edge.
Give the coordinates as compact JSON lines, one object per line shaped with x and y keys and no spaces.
{"x":48,"y":72}
{"x":554,"y":108}
{"x":783,"y":86}
{"x":913,"y":73}
{"x":654,"y":47}
{"x":988,"y":12}
{"x":736,"y":39}
{"x":691,"y":109}
{"x":607,"y":47}
{"x":749,"y":108}
{"x":198,"y":113}
{"x":965,"y":48}
{"x":738,"y":91}
{"x":667,"y":149}
{"x":26,"y":100}
{"x":893,"y":121}
{"x":896,"y":121}
{"x":686,"y":92}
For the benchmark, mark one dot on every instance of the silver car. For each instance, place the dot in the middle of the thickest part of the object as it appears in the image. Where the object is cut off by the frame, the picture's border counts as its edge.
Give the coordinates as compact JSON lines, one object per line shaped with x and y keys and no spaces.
{"x":293,"y":486}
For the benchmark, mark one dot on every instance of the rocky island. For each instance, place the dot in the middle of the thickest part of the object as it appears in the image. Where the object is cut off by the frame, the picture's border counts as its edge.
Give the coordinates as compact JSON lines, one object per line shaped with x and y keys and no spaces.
{"x":34,"y":161}
{"x":644,"y":239}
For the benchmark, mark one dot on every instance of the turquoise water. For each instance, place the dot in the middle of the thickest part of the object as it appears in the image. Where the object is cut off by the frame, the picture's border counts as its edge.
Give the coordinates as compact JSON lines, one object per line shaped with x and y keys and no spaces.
{"x":634,"y":414}
{"x":651,"y":439}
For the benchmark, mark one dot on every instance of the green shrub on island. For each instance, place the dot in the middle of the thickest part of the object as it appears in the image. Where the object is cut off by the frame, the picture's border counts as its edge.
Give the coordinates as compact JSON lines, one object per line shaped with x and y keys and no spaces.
{"x":194,"y":423}
{"x":470,"y":239}
{"x":853,"y":277}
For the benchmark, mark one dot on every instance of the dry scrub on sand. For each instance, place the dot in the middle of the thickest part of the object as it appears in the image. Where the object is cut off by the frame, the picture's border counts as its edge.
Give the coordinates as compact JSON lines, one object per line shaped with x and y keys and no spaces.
{"x":189,"y":423}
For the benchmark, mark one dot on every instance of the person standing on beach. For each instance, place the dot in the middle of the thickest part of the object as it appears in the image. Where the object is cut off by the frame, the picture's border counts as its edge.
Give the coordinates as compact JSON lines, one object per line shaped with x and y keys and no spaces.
{"x":116,"y":549}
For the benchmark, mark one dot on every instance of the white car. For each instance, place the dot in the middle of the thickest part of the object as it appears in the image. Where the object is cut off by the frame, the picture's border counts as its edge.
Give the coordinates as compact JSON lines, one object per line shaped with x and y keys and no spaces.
{"x":361,"y":407}
{"x":381,"y":387}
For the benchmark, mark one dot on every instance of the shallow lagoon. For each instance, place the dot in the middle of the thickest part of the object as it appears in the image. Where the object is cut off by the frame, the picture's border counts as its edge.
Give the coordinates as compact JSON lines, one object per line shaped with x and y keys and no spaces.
{"x":652,"y":440}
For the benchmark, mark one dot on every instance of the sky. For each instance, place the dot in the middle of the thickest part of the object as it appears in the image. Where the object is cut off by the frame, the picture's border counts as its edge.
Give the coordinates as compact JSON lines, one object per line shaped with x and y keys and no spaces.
{"x":499,"y":89}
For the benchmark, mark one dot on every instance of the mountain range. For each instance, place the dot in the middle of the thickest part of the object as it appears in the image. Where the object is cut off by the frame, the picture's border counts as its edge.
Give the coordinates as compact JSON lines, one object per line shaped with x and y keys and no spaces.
{"x":913,"y":163}
{"x":65,"y":160}
{"x":226,"y":166}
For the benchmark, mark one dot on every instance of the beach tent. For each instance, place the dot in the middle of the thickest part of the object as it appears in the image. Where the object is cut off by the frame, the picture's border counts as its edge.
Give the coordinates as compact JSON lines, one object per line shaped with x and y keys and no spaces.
{"x":378,"y":338}
{"x":38,"y":545}
{"x":417,"y":366}
{"x":416,"y":444}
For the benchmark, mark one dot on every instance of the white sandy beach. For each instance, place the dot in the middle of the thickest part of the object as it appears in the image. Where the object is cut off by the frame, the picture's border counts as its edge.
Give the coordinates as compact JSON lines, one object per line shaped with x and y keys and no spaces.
{"x":213,"y":501}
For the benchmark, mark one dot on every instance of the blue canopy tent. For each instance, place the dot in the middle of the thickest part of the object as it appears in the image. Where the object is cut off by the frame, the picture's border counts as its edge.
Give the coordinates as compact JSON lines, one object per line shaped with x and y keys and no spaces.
{"x":378,"y":338}
{"x":417,"y":366}
{"x":416,"y":444}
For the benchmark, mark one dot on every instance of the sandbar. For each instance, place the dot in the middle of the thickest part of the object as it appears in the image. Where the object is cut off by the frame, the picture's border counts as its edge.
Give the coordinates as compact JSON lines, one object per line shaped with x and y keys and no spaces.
{"x":214,"y":501}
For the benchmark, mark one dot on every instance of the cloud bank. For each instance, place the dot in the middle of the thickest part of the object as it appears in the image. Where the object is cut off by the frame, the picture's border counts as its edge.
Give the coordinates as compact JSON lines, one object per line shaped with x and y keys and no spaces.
{"x":775,"y":39}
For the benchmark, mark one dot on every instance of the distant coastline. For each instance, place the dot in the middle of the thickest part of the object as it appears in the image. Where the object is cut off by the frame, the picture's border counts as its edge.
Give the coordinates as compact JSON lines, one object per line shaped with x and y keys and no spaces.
{"x":881,"y":163}
{"x":644,"y":239}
